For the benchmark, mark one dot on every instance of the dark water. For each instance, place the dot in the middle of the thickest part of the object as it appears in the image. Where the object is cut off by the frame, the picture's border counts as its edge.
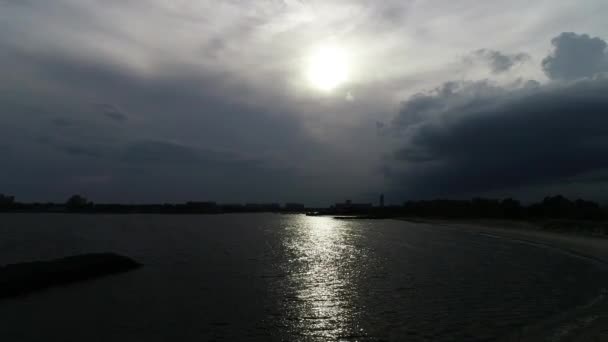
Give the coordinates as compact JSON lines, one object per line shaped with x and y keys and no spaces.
{"x":287,"y":278}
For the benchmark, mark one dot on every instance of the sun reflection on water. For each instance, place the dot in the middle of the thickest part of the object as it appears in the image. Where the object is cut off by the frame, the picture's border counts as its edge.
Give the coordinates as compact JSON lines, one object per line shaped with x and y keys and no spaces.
{"x":322,"y":278}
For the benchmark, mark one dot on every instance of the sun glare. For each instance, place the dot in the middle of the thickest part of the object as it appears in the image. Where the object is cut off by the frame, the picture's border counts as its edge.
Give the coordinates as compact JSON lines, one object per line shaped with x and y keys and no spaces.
{"x":327,"y":68}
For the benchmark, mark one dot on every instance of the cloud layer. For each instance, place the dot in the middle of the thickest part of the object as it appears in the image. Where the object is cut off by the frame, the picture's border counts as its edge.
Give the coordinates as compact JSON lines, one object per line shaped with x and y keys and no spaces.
{"x":173,"y":100}
{"x":498,"y":61}
{"x":576,"y":56}
{"x":480,"y":138}
{"x":476,"y":137}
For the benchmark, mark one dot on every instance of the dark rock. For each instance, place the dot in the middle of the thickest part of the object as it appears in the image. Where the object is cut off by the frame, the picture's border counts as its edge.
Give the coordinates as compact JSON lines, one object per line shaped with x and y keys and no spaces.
{"x":23,"y":278}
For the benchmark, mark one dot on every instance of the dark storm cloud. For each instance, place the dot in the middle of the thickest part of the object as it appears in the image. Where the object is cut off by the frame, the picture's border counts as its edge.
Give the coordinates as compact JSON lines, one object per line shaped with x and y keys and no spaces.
{"x":70,"y":147}
{"x":475,"y":137}
{"x":576,"y":56}
{"x":112,"y":112}
{"x":496,"y":60}
{"x":62,"y":122}
{"x":471,"y":137}
{"x":192,"y":133}
{"x":157,"y":152}
{"x":81,"y":151}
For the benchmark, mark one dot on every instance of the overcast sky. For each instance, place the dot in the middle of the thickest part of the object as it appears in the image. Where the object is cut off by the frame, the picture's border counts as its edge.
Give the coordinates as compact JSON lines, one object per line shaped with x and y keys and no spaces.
{"x":175,"y":100}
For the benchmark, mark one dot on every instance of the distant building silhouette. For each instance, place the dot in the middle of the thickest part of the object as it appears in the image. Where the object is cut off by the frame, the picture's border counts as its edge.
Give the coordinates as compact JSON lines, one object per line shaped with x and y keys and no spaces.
{"x":78,"y":203}
{"x":262,"y":207}
{"x":7,"y":200}
{"x":232,"y":207}
{"x":349,"y":206}
{"x":381,"y":201}
{"x":202,"y":207}
{"x":294,"y":207}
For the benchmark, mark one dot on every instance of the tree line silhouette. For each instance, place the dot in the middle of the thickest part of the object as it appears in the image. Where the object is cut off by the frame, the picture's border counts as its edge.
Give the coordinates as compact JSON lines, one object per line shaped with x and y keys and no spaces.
{"x":80,"y":204}
{"x":552,"y":207}
{"x":558,"y":207}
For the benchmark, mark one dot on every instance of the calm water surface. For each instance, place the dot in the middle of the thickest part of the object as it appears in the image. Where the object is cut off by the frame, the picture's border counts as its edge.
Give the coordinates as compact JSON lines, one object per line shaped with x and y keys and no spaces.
{"x":265,"y":277}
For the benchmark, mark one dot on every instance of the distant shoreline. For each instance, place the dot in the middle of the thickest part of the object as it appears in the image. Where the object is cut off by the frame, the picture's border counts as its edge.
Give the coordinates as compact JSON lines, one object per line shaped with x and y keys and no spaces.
{"x":580,"y":242}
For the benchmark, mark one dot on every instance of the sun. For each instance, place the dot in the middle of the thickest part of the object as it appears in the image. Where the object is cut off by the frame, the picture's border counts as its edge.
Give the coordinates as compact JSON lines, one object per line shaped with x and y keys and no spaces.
{"x":327,"y":68}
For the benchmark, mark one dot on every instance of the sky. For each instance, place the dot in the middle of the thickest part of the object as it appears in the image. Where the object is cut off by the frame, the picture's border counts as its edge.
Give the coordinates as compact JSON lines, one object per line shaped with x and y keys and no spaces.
{"x":303,"y":101}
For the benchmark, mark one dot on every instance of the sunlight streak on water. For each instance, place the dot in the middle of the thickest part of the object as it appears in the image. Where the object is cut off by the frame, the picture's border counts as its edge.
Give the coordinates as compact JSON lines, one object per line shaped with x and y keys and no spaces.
{"x":322,"y":276}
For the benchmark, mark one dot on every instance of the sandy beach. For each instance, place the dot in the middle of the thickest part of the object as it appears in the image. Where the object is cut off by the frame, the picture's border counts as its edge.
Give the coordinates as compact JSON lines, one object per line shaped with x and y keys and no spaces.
{"x":587,"y":323}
